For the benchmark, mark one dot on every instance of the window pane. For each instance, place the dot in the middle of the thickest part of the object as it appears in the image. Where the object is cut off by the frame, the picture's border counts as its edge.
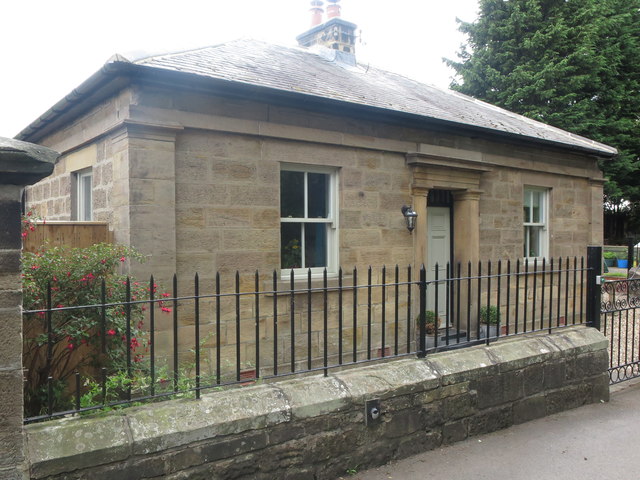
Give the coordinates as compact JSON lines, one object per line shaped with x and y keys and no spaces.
{"x":536,"y":207}
{"x":291,"y":245}
{"x":315,"y":245}
{"x":532,"y":241}
{"x":84,"y":196}
{"x":527,"y":206}
{"x":318,"y":190}
{"x":291,"y":194}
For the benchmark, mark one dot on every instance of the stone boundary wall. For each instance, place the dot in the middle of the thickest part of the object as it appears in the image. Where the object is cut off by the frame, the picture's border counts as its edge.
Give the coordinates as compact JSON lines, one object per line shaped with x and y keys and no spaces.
{"x":314,"y":427}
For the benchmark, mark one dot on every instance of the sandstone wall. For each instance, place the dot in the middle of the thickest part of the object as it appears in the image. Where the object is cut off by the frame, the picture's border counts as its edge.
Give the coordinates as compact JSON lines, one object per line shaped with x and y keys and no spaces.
{"x":52,"y":198}
{"x":572,"y":225}
{"x":192,"y":181}
{"x":226,"y":154}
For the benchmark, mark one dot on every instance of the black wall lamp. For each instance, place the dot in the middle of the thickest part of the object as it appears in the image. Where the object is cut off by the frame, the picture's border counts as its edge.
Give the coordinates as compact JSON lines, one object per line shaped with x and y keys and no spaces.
{"x":409,"y":216}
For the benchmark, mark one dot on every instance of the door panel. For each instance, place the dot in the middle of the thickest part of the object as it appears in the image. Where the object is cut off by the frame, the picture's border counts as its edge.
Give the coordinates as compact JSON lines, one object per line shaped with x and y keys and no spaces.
{"x":438,"y":252}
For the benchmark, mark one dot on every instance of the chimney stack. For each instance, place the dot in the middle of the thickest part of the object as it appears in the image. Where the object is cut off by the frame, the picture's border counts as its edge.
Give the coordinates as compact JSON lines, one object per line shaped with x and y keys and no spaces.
{"x":334,"y":33}
{"x":333,"y":10}
{"x":316,"y":12}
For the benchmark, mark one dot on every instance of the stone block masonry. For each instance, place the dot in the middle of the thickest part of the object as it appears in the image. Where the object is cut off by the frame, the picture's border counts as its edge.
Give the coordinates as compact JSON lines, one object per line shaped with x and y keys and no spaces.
{"x":11,"y":438}
{"x":314,"y":426}
{"x":21,"y":164}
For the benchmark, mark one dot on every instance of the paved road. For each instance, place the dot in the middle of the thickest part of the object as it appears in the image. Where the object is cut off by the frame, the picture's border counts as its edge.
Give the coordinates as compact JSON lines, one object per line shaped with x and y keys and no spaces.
{"x":600,"y":441}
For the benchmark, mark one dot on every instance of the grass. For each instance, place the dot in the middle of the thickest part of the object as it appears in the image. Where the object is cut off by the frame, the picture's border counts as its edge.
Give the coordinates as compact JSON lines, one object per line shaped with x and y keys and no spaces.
{"x":615,"y":275}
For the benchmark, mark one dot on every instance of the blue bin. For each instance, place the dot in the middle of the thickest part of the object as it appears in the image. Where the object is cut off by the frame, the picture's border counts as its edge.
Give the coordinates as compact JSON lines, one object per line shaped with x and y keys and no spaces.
{"x":623,"y":263}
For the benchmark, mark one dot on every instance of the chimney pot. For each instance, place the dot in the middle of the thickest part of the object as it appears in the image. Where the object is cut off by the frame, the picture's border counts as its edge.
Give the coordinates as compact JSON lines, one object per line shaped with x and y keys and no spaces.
{"x":316,"y":12}
{"x":333,"y":10}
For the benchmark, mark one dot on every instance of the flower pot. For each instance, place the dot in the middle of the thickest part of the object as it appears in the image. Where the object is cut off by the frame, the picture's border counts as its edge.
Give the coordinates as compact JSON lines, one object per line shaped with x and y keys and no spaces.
{"x":248,"y":374}
{"x":493,"y":331}
{"x":380,"y":353}
{"x":623,"y":263}
{"x":430,"y":341}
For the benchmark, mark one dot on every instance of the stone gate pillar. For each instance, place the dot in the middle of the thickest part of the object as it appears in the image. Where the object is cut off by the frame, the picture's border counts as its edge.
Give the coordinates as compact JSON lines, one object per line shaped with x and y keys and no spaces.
{"x":21,"y":164}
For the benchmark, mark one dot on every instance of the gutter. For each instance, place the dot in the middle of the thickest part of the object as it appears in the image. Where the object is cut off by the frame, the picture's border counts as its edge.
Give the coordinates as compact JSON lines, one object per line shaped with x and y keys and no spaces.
{"x":92,"y":87}
{"x":104,"y":83}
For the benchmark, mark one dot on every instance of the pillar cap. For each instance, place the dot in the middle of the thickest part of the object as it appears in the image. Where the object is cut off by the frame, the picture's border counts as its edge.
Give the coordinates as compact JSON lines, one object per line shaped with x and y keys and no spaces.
{"x":24,"y":163}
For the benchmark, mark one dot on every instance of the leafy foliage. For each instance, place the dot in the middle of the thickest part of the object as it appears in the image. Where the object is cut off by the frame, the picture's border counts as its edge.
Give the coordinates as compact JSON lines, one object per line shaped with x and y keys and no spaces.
{"x":573,"y":64}
{"x":489,"y":315}
{"x":77,"y":277}
{"x":139,"y":383}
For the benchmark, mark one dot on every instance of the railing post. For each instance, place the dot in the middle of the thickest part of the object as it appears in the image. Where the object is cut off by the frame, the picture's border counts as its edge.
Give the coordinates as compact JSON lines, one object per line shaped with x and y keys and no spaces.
{"x":630,"y":246}
{"x":594,"y":292}
{"x":422,"y":330}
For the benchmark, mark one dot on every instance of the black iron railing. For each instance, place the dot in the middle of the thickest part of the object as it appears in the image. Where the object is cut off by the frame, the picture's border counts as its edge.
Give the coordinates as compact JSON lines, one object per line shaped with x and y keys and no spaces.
{"x":228,"y":331}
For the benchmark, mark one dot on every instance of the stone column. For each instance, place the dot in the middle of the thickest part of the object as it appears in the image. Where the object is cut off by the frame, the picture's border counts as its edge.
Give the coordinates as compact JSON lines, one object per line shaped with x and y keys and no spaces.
{"x":596,"y":219}
{"x":144,"y":197}
{"x":21,"y":164}
{"x":466,"y":246}
{"x":420,"y":232}
{"x":466,"y":226}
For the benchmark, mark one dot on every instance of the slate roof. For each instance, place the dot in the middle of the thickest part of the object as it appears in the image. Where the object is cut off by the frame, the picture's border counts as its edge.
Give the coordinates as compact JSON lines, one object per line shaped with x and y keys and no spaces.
{"x":308,"y":72}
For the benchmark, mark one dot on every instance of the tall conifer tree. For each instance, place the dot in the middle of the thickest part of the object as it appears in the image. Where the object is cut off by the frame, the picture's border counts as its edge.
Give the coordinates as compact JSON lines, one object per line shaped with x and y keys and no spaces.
{"x":574,"y":64}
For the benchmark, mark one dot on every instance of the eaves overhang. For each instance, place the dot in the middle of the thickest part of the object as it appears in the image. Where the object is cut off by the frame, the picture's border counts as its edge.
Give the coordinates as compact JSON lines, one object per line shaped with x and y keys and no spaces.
{"x":116,"y":75}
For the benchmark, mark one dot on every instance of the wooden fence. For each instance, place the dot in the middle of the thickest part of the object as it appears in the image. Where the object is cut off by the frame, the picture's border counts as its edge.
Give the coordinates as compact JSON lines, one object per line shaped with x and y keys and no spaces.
{"x":71,"y":234}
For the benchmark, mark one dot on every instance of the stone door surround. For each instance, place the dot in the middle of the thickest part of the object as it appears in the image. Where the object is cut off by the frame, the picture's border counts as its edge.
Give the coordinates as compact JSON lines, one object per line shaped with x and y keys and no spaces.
{"x":452,"y":169}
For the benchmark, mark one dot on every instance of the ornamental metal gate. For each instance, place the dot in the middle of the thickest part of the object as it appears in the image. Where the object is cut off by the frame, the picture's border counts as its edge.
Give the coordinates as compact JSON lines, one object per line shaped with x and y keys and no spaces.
{"x":620,"y":323}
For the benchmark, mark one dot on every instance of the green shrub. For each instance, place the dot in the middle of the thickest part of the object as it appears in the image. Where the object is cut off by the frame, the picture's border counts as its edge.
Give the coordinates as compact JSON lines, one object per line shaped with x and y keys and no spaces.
{"x":489,"y":315}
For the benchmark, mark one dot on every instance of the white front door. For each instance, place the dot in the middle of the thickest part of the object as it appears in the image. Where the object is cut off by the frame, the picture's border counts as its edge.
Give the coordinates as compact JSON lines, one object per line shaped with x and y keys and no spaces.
{"x":438,"y":252}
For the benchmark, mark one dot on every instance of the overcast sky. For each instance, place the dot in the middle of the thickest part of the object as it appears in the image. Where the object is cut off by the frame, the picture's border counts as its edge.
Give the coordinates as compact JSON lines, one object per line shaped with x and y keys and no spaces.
{"x":50,"y":47}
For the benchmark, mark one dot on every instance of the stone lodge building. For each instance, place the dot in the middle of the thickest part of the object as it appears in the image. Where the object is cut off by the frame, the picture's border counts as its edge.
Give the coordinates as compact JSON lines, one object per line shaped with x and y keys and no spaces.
{"x":248,"y":155}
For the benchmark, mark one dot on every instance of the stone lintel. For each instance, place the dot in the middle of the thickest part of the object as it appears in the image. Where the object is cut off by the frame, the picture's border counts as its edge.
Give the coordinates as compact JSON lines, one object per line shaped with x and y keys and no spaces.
{"x":431,"y":172}
{"x":453,"y":161}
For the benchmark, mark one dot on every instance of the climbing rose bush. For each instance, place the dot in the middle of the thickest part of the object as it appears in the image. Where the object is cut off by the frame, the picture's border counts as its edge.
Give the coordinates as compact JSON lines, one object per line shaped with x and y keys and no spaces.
{"x":76,"y":277}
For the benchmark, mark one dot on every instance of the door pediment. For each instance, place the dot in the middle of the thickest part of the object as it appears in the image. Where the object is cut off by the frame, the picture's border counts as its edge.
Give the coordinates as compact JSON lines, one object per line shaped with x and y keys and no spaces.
{"x":436,"y":171}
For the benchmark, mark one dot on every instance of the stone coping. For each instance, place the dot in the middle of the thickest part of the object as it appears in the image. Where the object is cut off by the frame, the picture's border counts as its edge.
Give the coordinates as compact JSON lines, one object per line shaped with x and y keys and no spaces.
{"x":80,"y":442}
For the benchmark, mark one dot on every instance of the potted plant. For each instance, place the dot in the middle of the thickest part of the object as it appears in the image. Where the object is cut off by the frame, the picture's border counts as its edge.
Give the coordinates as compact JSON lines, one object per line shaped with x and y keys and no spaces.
{"x":489,"y":319}
{"x":609,"y":258}
{"x":432,"y":323}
